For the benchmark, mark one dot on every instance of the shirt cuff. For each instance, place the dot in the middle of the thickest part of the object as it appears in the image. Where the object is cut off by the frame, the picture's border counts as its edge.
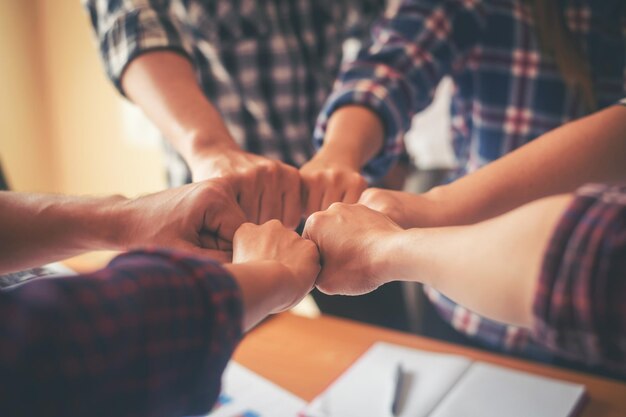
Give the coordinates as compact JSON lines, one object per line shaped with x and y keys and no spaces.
{"x":223,"y":305}
{"x":133,"y":33}
{"x":577,"y":305}
{"x":377,"y":97}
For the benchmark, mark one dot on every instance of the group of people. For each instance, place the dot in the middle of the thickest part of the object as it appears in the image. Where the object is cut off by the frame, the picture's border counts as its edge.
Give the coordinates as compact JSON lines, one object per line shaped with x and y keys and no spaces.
{"x":524,"y":249}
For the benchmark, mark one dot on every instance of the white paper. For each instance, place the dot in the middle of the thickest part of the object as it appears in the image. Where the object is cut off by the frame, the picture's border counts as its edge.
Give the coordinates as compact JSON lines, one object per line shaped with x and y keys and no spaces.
{"x":366,"y":389}
{"x":443,"y":386}
{"x":246,"y":394}
{"x":492,"y":391}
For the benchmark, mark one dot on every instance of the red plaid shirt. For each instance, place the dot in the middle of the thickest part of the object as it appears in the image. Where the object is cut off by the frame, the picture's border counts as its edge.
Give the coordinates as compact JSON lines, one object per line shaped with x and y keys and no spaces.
{"x":148,"y":336}
{"x":579,"y":306}
{"x":508,"y":91}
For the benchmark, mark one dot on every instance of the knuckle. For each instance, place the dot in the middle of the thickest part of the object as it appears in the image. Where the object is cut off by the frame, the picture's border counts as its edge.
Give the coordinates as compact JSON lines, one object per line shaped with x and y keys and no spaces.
{"x":314,"y":221}
{"x":337,"y":206}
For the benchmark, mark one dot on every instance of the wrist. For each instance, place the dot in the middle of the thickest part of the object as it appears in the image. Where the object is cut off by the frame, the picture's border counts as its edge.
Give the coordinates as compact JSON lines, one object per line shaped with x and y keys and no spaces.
{"x":387,"y":256}
{"x":265,"y":288}
{"x":340,"y":155}
{"x":202,"y":145}
{"x":124,"y":218}
{"x":355,"y":134}
{"x":96,"y":223}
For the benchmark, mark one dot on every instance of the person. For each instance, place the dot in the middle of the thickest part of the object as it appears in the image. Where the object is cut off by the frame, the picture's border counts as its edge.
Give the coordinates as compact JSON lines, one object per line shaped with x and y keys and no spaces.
{"x":235,"y":87}
{"x":549,"y":262}
{"x":37,"y":229}
{"x":520,"y":69}
{"x":151,"y":333}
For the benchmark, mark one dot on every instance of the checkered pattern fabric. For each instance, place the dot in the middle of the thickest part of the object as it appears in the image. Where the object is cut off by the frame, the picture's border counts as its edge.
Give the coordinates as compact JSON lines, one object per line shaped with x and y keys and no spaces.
{"x":579,"y":305}
{"x":148,"y":336}
{"x":508,"y":91}
{"x":266,"y":65}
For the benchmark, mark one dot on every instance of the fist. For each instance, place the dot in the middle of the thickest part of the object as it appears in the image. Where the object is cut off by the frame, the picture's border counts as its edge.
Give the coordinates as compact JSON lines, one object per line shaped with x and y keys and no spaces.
{"x":354,"y":244}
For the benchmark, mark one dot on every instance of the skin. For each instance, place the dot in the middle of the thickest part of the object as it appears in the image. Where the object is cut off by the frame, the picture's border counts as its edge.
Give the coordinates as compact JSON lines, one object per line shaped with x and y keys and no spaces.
{"x":354,"y":136}
{"x":557,"y":162}
{"x":501,"y":289}
{"x":164,"y":86}
{"x":200,"y":218}
{"x":275,"y":268}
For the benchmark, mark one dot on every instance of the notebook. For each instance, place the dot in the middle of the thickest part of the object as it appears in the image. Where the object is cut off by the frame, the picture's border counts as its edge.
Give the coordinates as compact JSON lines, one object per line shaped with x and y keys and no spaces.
{"x":441,"y":385}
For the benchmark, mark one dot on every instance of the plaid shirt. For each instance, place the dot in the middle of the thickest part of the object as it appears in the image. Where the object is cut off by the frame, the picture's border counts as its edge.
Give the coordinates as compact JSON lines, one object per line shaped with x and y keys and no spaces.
{"x":148,"y":336}
{"x":579,"y":305}
{"x":266,"y":65}
{"x":507,"y":91}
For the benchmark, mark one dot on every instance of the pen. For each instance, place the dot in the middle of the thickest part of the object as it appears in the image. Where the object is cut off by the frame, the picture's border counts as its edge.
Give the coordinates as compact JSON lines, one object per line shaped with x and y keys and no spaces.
{"x":397,"y":390}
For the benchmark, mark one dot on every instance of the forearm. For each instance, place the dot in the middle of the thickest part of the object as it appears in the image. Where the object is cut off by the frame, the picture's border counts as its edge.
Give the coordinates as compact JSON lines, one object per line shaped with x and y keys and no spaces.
{"x":591,"y":149}
{"x":354,"y":136}
{"x":264,"y":289}
{"x":156,"y":316}
{"x":164,"y":85}
{"x":490,"y":267}
{"x":37,"y":229}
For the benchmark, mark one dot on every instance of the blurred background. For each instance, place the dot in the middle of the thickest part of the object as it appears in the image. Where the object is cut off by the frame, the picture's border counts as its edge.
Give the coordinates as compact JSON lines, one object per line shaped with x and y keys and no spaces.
{"x":63,"y":126}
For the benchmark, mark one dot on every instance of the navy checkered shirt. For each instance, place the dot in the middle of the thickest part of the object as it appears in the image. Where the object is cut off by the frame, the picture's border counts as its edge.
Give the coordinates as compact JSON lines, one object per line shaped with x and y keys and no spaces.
{"x":507,"y":91}
{"x":266,"y":65}
{"x":149,"y":335}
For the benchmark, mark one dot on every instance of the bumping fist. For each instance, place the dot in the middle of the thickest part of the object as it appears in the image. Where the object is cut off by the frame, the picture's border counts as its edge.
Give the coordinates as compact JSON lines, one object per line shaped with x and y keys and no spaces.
{"x":354,"y":245}
{"x":298,"y":258}
{"x":324,"y":183}
{"x":264,"y":188}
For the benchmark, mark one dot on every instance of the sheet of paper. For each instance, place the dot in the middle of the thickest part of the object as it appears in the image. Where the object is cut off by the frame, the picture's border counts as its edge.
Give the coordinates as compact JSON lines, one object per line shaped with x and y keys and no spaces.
{"x":366,"y":388}
{"x":246,"y":394}
{"x":16,"y":279}
{"x":491,"y":391}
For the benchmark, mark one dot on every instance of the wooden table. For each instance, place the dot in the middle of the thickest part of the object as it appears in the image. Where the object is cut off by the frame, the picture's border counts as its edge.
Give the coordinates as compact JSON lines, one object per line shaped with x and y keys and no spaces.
{"x":305,"y":355}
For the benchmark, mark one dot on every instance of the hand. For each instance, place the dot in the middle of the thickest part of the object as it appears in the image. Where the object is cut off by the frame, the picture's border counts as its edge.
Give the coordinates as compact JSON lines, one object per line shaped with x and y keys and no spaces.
{"x":354,"y":248}
{"x":406,"y":209}
{"x":325,"y":182}
{"x":201,"y":218}
{"x":265,"y":189}
{"x":296,"y":259}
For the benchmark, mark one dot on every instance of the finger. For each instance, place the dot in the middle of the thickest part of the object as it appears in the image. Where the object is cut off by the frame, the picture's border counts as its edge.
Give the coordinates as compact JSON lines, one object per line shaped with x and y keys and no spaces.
{"x":353,"y":194}
{"x":212,"y":241}
{"x":331,"y":195}
{"x":312,"y":225}
{"x":231,"y":218}
{"x":270,"y":204}
{"x":249,"y":202}
{"x":291,"y":204}
{"x":369,"y":197}
{"x":314,"y":194}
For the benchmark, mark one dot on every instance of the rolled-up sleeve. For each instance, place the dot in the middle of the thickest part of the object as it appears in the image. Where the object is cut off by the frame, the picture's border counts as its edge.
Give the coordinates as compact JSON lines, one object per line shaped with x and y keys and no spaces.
{"x":397,"y":75}
{"x":125,"y":29}
{"x":149,"y":335}
{"x":579,"y":307}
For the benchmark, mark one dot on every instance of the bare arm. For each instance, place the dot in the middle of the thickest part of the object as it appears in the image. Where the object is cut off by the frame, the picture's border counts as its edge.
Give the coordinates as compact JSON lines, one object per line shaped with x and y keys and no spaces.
{"x":592,"y":149}
{"x":164,"y":85}
{"x":37,"y":229}
{"x":353,"y":137}
{"x":490,"y":267}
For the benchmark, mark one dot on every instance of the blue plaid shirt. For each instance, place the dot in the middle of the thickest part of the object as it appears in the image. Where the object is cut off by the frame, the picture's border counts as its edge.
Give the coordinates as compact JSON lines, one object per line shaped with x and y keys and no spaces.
{"x":507,"y":90}
{"x":266,"y":65}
